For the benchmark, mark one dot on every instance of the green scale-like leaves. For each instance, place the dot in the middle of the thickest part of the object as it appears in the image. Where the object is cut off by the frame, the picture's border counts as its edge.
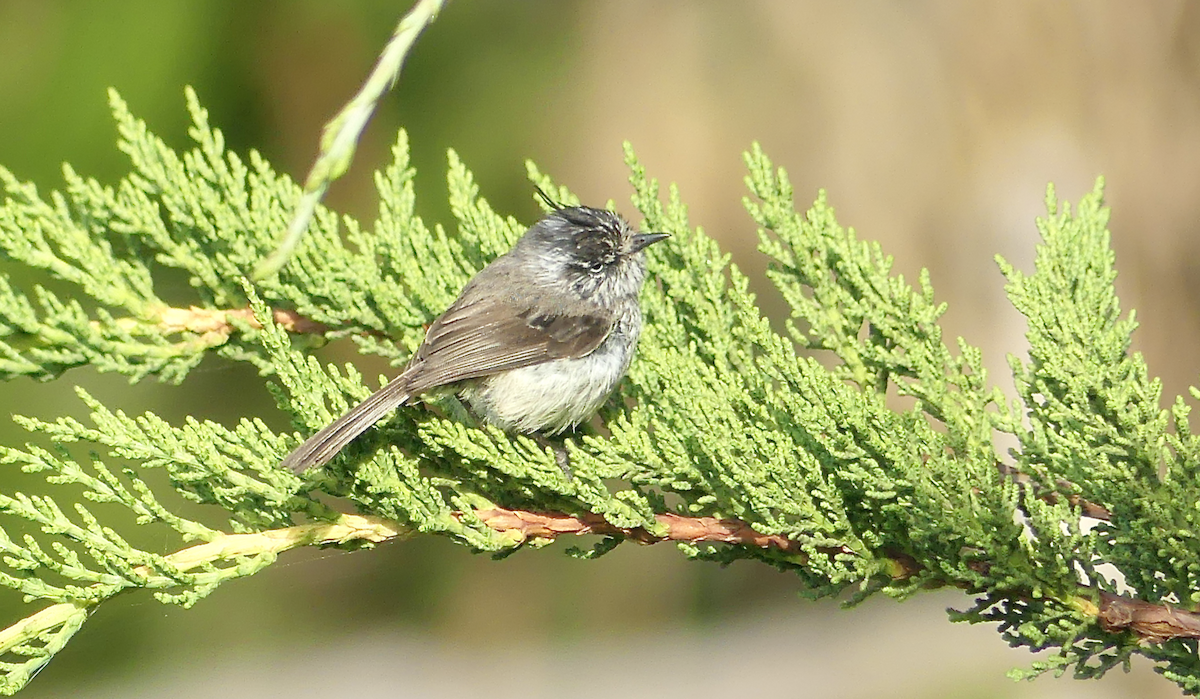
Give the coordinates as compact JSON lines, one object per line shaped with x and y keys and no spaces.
{"x":797,"y":435}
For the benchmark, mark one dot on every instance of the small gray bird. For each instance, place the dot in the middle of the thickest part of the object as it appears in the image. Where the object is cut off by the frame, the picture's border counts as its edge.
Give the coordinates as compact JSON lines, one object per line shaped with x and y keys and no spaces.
{"x":534,"y":343}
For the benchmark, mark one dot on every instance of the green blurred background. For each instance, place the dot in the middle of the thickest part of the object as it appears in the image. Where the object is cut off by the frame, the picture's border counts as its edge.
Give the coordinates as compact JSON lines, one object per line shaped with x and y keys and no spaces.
{"x":935,"y":126}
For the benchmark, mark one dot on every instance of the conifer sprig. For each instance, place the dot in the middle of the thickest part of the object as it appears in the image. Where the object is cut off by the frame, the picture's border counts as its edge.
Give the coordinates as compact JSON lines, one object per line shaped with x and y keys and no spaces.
{"x":723,"y":439}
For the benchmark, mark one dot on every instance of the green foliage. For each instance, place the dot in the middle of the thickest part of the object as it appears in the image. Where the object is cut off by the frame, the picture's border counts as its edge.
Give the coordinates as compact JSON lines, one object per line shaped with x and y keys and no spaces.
{"x":1095,"y":422}
{"x":861,"y":435}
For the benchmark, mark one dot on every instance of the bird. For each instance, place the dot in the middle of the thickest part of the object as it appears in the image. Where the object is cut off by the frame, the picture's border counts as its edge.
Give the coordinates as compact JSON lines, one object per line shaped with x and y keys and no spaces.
{"x":535,"y":341}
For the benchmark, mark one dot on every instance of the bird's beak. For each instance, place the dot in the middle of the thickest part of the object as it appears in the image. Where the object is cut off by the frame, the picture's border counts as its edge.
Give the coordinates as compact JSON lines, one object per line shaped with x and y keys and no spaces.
{"x":642,"y":240}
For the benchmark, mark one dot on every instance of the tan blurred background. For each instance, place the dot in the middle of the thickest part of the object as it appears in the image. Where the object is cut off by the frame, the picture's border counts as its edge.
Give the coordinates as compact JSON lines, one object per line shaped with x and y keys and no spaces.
{"x":935,"y":126}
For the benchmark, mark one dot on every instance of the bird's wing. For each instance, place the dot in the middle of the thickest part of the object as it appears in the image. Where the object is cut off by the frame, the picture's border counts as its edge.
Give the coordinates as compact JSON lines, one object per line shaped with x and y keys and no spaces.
{"x":477,"y":336}
{"x":481,"y":336}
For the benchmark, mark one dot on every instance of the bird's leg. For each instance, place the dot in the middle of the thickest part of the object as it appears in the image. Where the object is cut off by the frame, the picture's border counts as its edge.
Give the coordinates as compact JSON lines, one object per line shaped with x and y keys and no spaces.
{"x":561,"y":457}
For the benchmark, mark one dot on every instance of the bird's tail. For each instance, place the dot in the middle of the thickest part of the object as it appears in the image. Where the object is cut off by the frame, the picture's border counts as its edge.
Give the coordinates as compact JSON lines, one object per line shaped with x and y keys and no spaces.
{"x":325,"y":444}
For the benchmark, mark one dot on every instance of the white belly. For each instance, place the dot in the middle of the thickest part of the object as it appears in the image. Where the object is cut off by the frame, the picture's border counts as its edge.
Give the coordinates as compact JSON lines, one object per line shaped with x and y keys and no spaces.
{"x":554,"y":396}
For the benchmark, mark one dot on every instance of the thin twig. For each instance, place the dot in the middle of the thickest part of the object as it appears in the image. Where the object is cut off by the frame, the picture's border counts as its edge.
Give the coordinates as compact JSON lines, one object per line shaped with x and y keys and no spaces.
{"x":54,"y":625}
{"x":1086,"y":508}
{"x":340,"y":136}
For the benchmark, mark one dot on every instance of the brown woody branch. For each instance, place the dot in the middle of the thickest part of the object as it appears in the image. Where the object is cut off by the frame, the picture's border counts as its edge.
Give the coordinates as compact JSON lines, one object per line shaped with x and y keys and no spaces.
{"x":209,"y":320}
{"x":524,"y":526}
{"x":1150,"y":623}
{"x":1086,"y":508}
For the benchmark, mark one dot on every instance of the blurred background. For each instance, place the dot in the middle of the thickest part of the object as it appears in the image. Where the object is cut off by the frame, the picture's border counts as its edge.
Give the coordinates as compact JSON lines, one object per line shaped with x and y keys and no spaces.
{"x":934,"y":125}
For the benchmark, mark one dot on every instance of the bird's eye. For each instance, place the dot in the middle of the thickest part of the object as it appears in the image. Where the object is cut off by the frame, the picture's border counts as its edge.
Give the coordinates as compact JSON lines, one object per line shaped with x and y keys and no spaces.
{"x":596,"y":268}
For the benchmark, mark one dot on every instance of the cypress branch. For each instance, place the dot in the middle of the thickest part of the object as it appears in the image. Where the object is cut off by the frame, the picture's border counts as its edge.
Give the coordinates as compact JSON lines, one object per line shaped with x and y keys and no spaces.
{"x":723,"y":439}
